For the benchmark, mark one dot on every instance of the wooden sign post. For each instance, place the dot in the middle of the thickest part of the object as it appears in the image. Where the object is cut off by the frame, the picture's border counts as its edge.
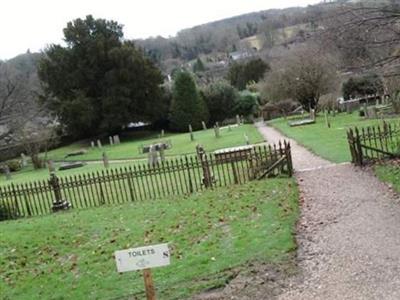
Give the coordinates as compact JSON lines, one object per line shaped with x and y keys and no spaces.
{"x":143,"y":258}
{"x":149,"y":285}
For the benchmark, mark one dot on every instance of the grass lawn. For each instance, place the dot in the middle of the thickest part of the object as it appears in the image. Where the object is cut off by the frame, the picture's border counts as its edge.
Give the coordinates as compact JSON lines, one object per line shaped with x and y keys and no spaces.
{"x":28,"y":174}
{"x":389,"y":173}
{"x":181,"y":144}
{"x":330,"y":143}
{"x":70,"y":255}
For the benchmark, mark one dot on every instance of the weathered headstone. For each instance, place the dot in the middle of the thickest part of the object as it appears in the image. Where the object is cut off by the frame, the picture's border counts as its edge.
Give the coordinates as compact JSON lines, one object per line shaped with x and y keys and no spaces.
{"x":204,"y":125}
{"x":24,"y":161}
{"x":7,"y":172}
{"x":242,"y":119}
{"x":50,"y":166}
{"x":105,"y":160}
{"x":162,"y":133}
{"x":365,"y":108}
{"x":312,"y":114}
{"x":246,"y":138}
{"x":153,"y":157}
{"x":99,"y":144}
{"x":92,"y":144}
{"x":216,"y":131}
{"x":117,"y":141}
{"x":162,"y":153}
{"x":372,"y":112}
{"x":328,"y":124}
{"x":191,"y":133}
{"x":111,"y":140}
{"x":237,"y":120}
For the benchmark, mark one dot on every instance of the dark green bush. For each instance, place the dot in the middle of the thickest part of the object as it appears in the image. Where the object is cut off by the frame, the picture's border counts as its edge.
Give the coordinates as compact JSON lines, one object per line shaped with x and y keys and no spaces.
{"x":14,"y":165}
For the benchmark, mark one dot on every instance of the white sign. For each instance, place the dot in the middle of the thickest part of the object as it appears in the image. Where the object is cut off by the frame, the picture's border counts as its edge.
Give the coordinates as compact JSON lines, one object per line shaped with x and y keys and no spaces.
{"x":142,"y":258}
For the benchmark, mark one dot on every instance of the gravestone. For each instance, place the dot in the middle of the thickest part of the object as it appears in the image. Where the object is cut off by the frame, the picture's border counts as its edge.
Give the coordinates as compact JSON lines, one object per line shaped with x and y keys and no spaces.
{"x":71,"y":165}
{"x":76,"y":153}
{"x":204,"y":125}
{"x":7,"y":172}
{"x":312,"y":114}
{"x":246,"y":138}
{"x":153,"y":156}
{"x":92,"y":144}
{"x":24,"y":161}
{"x":105,"y":160}
{"x":111,"y":140}
{"x":162,"y":133}
{"x":50,"y":166}
{"x":191,"y":133}
{"x":99,"y":144}
{"x":365,"y":107}
{"x":372,"y":112}
{"x":237,"y":120}
{"x":216,"y":131}
{"x":117,"y":141}
{"x":328,"y":124}
{"x":229,"y":128}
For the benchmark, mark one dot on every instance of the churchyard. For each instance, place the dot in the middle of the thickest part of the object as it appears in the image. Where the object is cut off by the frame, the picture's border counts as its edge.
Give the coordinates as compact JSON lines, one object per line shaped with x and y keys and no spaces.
{"x":128,"y":151}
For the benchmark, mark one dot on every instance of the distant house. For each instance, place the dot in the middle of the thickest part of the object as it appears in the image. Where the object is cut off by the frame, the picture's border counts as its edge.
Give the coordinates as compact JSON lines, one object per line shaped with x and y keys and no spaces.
{"x":238,"y":55}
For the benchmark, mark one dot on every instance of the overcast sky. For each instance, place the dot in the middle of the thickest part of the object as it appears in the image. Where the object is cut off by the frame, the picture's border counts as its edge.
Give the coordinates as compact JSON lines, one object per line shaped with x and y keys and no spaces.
{"x":33,"y":24}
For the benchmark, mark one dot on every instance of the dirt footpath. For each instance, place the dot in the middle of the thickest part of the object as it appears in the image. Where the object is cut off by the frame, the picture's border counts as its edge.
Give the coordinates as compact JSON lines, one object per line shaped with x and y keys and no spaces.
{"x":348,"y":234}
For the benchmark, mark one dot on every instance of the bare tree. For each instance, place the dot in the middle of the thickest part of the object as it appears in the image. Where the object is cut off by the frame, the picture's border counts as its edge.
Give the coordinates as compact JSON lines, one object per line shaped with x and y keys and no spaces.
{"x":367,"y":34}
{"x":304,"y":76}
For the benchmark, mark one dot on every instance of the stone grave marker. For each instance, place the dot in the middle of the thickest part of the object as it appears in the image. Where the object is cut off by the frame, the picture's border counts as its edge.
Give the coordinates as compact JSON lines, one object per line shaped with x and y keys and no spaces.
{"x":153,"y":156}
{"x":204,"y":125}
{"x":24,"y":161}
{"x":99,"y":144}
{"x":191,"y":133}
{"x":50,"y":166}
{"x":7,"y":172}
{"x":216,"y":131}
{"x":105,"y":160}
{"x":110,"y":138}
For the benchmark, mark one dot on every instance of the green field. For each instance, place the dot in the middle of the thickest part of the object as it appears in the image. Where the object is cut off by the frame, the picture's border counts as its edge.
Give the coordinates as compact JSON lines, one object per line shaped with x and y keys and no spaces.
{"x":211,"y":235}
{"x":181,"y":145}
{"x":329,"y":143}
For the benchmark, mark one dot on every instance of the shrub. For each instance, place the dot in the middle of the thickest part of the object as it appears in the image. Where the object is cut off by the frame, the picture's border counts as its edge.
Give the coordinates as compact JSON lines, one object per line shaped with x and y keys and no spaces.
{"x":369,"y":84}
{"x":14,"y":165}
{"x":247,"y":104}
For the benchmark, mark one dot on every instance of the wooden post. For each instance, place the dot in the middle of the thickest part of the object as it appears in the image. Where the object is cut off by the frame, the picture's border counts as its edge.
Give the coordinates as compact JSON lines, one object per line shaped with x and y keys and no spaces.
{"x":148,"y":283}
{"x":207,"y":176}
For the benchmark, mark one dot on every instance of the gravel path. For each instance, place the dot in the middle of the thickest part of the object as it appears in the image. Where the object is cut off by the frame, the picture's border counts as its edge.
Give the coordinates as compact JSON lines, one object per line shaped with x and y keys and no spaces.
{"x":348,"y":234}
